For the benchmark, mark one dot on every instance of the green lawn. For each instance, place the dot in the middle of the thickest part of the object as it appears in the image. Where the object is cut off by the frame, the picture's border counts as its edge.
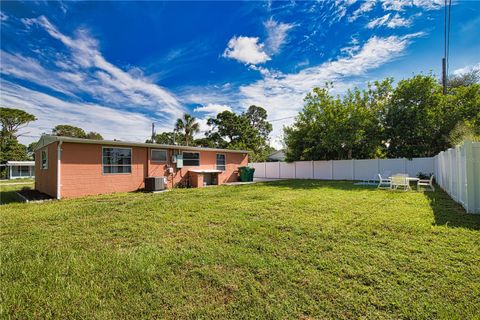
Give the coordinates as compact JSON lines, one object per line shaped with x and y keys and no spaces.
{"x":9,"y":187}
{"x":5,"y":181}
{"x":278,"y":250}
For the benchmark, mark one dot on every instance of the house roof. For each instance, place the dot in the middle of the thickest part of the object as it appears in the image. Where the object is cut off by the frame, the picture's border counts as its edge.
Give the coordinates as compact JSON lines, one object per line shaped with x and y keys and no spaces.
{"x":48,"y":139}
{"x":19,"y":163}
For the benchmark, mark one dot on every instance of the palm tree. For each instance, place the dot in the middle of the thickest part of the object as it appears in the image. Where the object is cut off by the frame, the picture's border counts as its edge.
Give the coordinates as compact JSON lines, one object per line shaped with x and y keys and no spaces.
{"x":187,"y":125}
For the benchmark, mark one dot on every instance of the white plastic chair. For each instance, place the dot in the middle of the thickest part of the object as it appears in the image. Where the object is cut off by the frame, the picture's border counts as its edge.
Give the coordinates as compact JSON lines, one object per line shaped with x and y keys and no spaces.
{"x":400,"y":182}
{"x":426,"y":183}
{"x":383,"y":183}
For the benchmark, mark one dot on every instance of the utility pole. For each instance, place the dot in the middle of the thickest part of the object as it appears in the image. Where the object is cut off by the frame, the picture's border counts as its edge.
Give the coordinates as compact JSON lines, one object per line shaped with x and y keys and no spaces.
{"x":153,"y":132}
{"x":446,"y":44}
{"x":444,"y":75}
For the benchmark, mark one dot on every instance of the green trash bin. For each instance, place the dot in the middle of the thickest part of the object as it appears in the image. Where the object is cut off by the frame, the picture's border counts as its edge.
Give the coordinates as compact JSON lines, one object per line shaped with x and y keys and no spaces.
{"x":246,"y":173}
{"x":243,"y":174}
{"x":251,"y":171}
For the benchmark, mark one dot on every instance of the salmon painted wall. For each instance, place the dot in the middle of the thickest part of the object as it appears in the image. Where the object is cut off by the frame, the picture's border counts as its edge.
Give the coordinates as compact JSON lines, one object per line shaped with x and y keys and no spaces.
{"x":46,"y":179}
{"x":208,"y":160}
{"x":82,"y":172}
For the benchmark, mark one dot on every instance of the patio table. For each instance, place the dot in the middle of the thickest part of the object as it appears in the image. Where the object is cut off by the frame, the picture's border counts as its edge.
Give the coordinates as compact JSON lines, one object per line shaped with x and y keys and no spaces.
{"x":409,"y":179}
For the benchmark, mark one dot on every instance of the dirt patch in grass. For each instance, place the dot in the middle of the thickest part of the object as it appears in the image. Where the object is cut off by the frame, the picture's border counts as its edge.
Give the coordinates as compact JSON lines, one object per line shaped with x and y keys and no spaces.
{"x":34,"y":195}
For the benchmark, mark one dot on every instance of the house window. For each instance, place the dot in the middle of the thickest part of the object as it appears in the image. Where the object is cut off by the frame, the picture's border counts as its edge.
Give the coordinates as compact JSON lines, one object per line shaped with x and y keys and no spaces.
{"x":159,"y":155}
{"x":221,"y":162}
{"x":20,"y":171}
{"x":117,"y":160}
{"x":44,"y":160}
{"x":191,"y":159}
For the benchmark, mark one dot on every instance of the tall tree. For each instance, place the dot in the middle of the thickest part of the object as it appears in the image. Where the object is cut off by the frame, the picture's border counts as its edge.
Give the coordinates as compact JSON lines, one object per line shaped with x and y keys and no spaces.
{"x":94,"y":136}
{"x":13,"y":120}
{"x":166,"y":138}
{"x":246,"y":131}
{"x":66,"y":130}
{"x":13,"y":151}
{"x":420,"y":118}
{"x":31,"y":150}
{"x":257,"y":117}
{"x":331,"y":127}
{"x":465,"y":79}
{"x":414,"y":119}
{"x":188,"y":126}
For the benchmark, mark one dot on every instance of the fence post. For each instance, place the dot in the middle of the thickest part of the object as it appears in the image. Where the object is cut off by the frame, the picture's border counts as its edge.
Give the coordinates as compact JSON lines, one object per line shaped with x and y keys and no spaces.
{"x":331,"y":164}
{"x":470,"y":183}
{"x":461,"y":179}
{"x":353,"y":169}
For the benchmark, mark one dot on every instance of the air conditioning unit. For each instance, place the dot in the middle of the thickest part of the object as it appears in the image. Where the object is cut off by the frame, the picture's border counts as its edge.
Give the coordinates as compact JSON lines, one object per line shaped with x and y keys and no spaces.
{"x":155,"y":183}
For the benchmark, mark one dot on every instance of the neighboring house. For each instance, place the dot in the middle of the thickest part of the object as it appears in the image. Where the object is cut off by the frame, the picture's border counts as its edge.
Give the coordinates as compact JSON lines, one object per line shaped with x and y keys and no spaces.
{"x":20,"y":169}
{"x":276,"y":156}
{"x":71,"y":167}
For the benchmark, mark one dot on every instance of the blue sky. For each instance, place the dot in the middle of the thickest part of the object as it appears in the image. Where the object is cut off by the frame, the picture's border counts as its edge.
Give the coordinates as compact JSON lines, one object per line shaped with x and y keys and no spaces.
{"x":115,"y":67}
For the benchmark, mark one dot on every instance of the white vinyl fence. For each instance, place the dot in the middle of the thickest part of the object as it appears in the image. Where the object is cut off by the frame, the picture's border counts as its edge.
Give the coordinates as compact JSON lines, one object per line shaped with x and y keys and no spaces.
{"x":458,"y":173}
{"x":343,"y":169}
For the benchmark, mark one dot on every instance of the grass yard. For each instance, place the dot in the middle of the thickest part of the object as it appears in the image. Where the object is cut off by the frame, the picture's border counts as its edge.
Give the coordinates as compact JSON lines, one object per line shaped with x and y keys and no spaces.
{"x":8,"y":188}
{"x":5,"y":181}
{"x":277,"y":250}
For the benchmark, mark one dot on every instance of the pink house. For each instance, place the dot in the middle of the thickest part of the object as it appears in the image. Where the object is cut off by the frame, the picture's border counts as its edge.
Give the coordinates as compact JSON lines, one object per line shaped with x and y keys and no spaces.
{"x":70,"y":167}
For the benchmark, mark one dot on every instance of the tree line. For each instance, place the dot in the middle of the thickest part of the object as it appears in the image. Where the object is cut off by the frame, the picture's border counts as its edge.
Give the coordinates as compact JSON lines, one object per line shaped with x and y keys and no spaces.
{"x":227,"y":130}
{"x":13,"y":120}
{"x":247,"y":131}
{"x":412,"y":119}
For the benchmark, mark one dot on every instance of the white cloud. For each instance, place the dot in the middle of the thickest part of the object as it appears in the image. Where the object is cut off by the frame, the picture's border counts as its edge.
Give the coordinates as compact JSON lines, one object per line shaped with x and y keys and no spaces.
{"x":396,"y":5}
{"x":247,"y":50}
{"x":85,"y":70}
{"x":277,"y":35}
{"x":398,"y":21}
{"x":51,"y":111}
{"x":429,"y":4}
{"x":365,"y":7}
{"x":204,"y":127}
{"x":341,"y":7}
{"x":3,"y":16}
{"x":282,"y":95}
{"x":400,"y":5}
{"x":78,"y":70}
{"x":212,"y":109}
{"x":378,"y":22}
{"x":467,"y":69}
{"x":390,"y":22}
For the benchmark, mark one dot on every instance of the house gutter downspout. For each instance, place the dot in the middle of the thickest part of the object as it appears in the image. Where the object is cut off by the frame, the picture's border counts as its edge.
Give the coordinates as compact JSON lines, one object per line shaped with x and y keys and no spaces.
{"x":59,"y":155}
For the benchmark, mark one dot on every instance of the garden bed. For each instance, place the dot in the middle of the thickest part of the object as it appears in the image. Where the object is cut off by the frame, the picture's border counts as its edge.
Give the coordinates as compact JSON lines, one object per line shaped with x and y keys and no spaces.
{"x":30,"y":195}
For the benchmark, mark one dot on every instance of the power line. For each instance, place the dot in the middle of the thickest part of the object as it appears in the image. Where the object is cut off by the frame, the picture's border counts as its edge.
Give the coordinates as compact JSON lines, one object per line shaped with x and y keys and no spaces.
{"x":445,"y":30}
{"x":446,"y":43}
{"x":444,"y":59}
{"x":448,"y":35}
{"x":281,"y":119}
